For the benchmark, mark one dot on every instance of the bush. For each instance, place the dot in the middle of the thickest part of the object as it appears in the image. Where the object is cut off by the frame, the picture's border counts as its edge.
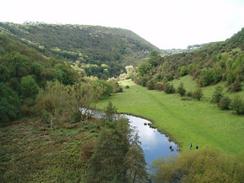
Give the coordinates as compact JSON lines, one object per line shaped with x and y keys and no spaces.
{"x":45,"y":116}
{"x":59,"y":103}
{"x":159,"y":86}
{"x":103,"y":88}
{"x":150,"y":85}
{"x":189,"y":94}
{"x":200,"y":167}
{"x":76,"y":117}
{"x":116,"y":87}
{"x":209,"y":76}
{"x":236,"y":86}
{"x":224,"y":103}
{"x":169,"y":88}
{"x":238,"y":105}
{"x":181,"y":90}
{"x":127,"y":86}
{"x":197,"y":94}
{"x":217,"y":95}
{"x":183,"y":71}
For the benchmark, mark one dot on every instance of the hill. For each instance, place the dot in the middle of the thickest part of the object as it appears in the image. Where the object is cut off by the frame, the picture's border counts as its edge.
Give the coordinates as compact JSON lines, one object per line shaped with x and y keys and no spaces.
{"x":208,"y":65}
{"x":23,"y":71}
{"x":104,"y":51}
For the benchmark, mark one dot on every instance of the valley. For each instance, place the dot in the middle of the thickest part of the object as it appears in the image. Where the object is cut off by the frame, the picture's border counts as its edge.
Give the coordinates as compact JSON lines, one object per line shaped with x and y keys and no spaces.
{"x":191,"y":100}
{"x":197,"y":122}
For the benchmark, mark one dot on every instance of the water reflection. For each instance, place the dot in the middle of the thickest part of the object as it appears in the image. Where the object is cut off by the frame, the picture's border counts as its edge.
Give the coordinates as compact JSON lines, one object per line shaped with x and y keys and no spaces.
{"x":154,"y":144}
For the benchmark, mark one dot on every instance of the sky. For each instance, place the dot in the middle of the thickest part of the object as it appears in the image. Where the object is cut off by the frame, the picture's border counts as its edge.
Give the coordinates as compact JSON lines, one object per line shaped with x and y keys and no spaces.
{"x":165,"y":23}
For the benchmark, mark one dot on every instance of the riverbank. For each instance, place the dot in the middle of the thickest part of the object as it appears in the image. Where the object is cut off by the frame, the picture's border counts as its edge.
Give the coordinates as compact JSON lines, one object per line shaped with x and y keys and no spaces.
{"x":199,"y":123}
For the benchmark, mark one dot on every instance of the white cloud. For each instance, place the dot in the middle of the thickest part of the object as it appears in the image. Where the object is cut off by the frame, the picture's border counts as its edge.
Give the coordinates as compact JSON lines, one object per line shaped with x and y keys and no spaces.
{"x":165,"y":23}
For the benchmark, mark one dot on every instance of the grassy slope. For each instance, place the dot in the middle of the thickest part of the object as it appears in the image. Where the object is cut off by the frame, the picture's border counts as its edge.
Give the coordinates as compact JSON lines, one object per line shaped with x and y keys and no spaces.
{"x":191,"y":85}
{"x":186,"y":121}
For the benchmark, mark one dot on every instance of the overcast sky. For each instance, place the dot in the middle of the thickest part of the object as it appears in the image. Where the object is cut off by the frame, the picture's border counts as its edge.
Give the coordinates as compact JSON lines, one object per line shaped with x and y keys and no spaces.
{"x":164,"y":23}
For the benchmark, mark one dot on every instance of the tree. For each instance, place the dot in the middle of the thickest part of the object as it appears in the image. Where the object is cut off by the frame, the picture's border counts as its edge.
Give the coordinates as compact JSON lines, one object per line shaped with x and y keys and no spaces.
{"x":9,"y":104}
{"x":29,"y":87}
{"x":110,"y":111}
{"x":181,"y":90}
{"x":54,"y":103}
{"x":18,"y":64}
{"x":65,"y":74}
{"x":36,"y":70}
{"x":107,"y":162}
{"x":197,"y":94}
{"x":154,"y":58}
{"x":135,"y":162}
{"x":217,"y":95}
{"x":82,"y":96}
{"x":5,"y":74}
{"x":102,"y":88}
{"x":144,"y":68}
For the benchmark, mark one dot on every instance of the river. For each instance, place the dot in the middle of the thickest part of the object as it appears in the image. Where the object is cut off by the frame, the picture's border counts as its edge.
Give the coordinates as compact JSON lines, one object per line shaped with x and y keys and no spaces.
{"x":155,"y":144}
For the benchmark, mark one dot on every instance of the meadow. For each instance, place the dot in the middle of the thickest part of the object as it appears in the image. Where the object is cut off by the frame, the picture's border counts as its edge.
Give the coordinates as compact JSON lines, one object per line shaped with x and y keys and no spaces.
{"x":191,"y":85}
{"x":185,"y":121}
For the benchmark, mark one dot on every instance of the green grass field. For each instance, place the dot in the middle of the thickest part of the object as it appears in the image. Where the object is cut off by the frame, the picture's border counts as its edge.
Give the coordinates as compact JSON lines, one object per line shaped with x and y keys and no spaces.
{"x":191,"y":85}
{"x":186,"y":121}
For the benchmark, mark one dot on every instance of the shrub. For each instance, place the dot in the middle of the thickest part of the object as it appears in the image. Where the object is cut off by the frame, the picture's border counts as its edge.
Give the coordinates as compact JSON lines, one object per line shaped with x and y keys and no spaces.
{"x":181,"y":90}
{"x":189,"y":94}
{"x":159,"y":86}
{"x":224,"y":103}
{"x":76,"y":117}
{"x":238,"y":105}
{"x":236,"y":86}
{"x":201,"y":167}
{"x":127,"y":86}
{"x":116,"y":87}
{"x":197,"y":94}
{"x":62,"y":103}
{"x":103,"y":88}
{"x":150,"y":85}
{"x":45,"y":116}
{"x":209,"y":76}
{"x":169,"y":88}
{"x":183,"y":71}
{"x":217,"y":95}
